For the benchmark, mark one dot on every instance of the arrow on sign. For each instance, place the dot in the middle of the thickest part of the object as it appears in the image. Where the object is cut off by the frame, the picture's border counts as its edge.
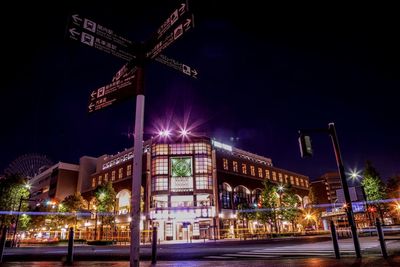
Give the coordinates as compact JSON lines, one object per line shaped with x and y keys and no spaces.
{"x":182,"y":9}
{"x":177,"y":65}
{"x":187,"y":23}
{"x":74,"y":32}
{"x":91,"y":107}
{"x":76,"y":18}
{"x":194,"y":73}
{"x":93,"y":94}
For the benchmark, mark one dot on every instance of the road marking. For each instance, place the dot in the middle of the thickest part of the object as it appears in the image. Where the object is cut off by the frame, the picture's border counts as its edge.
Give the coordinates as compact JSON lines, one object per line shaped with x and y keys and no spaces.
{"x":218,"y":257}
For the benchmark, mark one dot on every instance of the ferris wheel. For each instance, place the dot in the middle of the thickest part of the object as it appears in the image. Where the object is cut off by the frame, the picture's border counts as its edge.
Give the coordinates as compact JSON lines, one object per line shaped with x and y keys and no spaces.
{"x":28,"y":165}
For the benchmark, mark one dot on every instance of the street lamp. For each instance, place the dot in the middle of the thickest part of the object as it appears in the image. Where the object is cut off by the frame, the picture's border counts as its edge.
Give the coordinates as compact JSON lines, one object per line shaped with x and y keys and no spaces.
{"x":281,"y":188}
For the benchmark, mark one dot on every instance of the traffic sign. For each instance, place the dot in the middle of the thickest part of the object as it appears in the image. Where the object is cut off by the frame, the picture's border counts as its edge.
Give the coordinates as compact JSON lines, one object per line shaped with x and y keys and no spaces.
{"x":178,"y":31}
{"x":192,"y":72}
{"x":95,"y":35}
{"x":119,"y":90}
{"x":170,"y":21}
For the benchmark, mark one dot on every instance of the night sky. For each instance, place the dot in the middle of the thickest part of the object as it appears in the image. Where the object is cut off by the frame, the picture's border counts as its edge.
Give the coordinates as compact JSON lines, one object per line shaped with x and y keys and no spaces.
{"x":264,"y":73}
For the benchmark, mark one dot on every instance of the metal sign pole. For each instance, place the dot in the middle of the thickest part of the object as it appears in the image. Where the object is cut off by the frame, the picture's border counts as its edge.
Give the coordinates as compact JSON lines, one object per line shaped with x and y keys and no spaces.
{"x":137,"y":172}
{"x":349,"y":208}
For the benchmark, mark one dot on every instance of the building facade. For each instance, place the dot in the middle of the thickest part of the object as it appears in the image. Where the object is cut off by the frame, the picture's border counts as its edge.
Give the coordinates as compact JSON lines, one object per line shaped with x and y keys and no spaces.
{"x":191,"y":189}
{"x":55,"y":182}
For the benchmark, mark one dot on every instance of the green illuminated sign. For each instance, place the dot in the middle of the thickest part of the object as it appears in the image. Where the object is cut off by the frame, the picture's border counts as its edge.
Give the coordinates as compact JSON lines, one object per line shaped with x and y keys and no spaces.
{"x":181,"y":167}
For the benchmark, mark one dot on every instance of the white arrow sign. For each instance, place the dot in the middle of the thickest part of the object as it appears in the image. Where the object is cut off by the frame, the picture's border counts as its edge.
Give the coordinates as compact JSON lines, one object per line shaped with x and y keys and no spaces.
{"x":74,"y":33}
{"x":76,"y":19}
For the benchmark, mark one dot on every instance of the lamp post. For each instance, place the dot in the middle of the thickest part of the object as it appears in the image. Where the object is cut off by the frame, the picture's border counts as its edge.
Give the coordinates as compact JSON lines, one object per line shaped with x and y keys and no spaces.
{"x":281,"y":188}
{"x":17,"y":219}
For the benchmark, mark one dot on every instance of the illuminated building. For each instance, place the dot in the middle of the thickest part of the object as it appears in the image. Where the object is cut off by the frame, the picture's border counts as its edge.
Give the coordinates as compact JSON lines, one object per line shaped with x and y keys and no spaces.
{"x":190,"y":189}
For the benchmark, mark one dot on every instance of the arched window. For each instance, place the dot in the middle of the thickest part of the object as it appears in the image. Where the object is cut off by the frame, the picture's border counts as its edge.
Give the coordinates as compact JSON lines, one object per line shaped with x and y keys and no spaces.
{"x":306,"y":201}
{"x":256,"y":196}
{"x":241,"y":195}
{"x":226,"y":196}
{"x":124,"y":201}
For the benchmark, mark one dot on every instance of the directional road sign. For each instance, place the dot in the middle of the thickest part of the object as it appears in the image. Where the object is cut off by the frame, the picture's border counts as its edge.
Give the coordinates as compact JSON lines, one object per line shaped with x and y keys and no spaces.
{"x":120,"y":89}
{"x":169,"y":38}
{"x":192,"y":72}
{"x":170,"y":21}
{"x":95,"y":35}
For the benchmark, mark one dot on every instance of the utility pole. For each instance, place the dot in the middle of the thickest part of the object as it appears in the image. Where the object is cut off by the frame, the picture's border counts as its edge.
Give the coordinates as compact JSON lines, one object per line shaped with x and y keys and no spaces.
{"x":349,"y":207}
{"x":306,"y":151}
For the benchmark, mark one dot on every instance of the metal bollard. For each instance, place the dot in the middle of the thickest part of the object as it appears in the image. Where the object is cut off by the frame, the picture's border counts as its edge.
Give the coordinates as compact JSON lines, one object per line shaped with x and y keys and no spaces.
{"x":381,"y":238}
{"x":335,"y":240}
{"x":3,"y":241}
{"x":70,"y":256}
{"x":154,"y":246}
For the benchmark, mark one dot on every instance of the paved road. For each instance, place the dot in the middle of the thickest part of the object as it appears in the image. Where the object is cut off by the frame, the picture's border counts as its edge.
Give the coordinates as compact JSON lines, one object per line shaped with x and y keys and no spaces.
{"x":219,"y":250}
{"x":304,"y":262}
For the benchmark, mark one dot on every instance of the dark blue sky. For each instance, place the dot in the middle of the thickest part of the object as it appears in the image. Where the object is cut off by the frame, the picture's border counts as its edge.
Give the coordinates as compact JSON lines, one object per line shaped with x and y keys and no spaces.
{"x":264,"y":72}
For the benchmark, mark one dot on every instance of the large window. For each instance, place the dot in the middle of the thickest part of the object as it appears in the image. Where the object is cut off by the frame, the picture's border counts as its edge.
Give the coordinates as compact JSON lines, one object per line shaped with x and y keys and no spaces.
{"x":181,"y":174}
{"x":129,"y":170}
{"x":160,"y":149}
{"x":159,"y":183}
{"x":181,"y":149}
{"x":203,"y":164}
{"x":202,"y":148}
{"x":260,"y":172}
{"x":204,"y":182}
{"x":241,"y":195}
{"x":225,"y":163}
{"x":252,"y":170}
{"x":226,"y":196}
{"x":160,"y":165}
{"x":267,"y":175}
{"x":235,"y":166}
{"x":244,"y":168}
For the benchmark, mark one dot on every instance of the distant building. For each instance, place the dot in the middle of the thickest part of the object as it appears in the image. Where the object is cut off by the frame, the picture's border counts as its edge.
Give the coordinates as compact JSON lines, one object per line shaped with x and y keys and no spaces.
{"x":325,"y":187}
{"x":55,"y":182}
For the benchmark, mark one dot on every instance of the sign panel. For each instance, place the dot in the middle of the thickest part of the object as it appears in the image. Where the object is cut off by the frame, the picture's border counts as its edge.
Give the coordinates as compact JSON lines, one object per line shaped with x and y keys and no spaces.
{"x":119,"y":90}
{"x":168,"y":39}
{"x":170,"y":21}
{"x":192,"y":72}
{"x":95,"y":35}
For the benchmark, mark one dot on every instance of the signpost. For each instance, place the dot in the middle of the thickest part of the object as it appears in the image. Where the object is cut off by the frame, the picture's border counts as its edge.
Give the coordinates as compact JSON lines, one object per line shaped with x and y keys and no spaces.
{"x":115,"y":92}
{"x":95,"y":35}
{"x":128,"y":81}
{"x":192,"y":72}
{"x":169,"y":38}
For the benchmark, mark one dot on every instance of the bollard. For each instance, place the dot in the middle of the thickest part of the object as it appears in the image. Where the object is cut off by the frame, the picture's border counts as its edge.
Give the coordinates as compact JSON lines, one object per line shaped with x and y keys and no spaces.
{"x":70,"y":256}
{"x":3,"y":241}
{"x":381,"y":238}
{"x":154,"y":246}
{"x":335,"y":240}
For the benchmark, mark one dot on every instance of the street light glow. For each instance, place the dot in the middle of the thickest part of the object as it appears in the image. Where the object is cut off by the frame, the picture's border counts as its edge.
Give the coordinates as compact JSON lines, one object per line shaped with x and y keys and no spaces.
{"x":281,"y":188}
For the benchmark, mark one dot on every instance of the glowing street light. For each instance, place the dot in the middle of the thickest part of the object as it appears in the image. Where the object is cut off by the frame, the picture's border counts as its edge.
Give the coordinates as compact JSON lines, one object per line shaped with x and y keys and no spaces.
{"x":184,"y":133}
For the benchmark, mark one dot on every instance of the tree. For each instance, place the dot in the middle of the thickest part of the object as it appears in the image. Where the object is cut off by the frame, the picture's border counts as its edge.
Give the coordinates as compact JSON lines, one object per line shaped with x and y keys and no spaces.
{"x":246,"y":213}
{"x":269,"y":204}
{"x":105,"y":199}
{"x":374,"y":188}
{"x":290,"y":207}
{"x":12,"y":188}
{"x":393,"y":187}
{"x":72,"y":204}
